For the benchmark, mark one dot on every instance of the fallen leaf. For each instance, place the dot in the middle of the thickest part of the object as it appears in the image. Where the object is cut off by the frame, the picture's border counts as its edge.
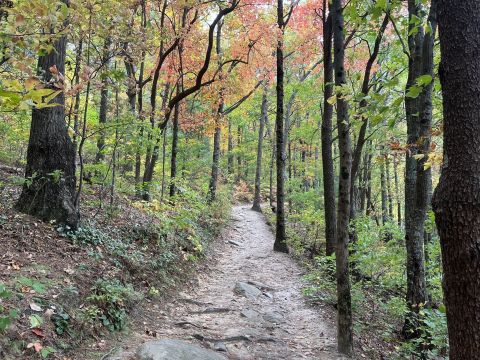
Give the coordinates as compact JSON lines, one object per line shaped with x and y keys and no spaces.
{"x":37,"y":346}
{"x":49,"y":312}
{"x":38,"y":332}
{"x":35,"y":307}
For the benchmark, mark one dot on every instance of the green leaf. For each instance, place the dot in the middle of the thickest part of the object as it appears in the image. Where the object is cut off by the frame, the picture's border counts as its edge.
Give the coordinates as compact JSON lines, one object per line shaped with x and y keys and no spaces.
{"x":424,"y":80}
{"x":377,"y":119}
{"x":398,"y":102}
{"x":35,"y":321}
{"x":332,"y":100}
{"x":46,"y":351}
{"x":381,"y":4}
{"x":5,"y":322}
{"x":413,"y":92}
{"x":391,"y":123}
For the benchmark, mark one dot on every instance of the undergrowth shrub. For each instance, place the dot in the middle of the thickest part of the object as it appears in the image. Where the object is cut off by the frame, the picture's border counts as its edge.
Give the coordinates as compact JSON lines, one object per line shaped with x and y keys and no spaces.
{"x":109,"y":302}
{"x":377,"y":260}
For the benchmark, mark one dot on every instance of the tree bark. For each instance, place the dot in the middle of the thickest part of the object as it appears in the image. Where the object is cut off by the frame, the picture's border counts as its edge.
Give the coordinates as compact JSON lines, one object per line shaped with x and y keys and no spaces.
{"x":389,"y":186}
{"x":138,"y":155}
{"x":212,"y":186}
{"x":49,"y":192}
{"x":344,"y":305}
{"x":326,"y":134}
{"x":280,"y":233}
{"x":102,"y":117}
{"x":397,"y":190}
{"x":173,"y":160}
{"x":258,"y":171}
{"x":76,"y":106}
{"x":419,"y":118}
{"x":384,"y":195}
{"x":456,"y":202}
{"x":230,"y":149}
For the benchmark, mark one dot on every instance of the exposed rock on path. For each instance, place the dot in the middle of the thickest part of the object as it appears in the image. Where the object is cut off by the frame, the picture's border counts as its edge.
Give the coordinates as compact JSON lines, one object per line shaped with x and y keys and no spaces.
{"x":265,"y":314}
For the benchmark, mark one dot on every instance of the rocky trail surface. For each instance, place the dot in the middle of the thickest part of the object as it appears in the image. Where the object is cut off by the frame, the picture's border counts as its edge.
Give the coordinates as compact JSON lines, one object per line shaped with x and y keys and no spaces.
{"x":247,"y":305}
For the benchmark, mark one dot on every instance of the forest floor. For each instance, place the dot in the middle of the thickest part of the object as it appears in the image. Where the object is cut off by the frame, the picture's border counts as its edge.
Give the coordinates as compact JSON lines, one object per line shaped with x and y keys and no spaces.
{"x":247,"y":304}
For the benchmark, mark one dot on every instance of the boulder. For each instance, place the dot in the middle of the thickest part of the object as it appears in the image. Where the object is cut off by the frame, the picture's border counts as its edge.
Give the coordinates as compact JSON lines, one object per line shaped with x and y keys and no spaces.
{"x":171,"y":349}
{"x":247,"y":290}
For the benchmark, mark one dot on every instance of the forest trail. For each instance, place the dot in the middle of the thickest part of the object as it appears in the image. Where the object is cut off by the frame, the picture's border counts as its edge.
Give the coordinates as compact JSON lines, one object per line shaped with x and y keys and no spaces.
{"x":249,"y":304}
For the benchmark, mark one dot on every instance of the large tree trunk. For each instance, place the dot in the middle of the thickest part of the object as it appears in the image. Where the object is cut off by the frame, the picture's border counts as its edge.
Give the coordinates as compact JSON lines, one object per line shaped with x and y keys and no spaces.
{"x":344,"y":305}
{"x":280,"y":233}
{"x":212,"y":186}
{"x":326,"y":131}
{"x":49,"y":192}
{"x":419,"y":117}
{"x":258,"y":171}
{"x":456,"y":200}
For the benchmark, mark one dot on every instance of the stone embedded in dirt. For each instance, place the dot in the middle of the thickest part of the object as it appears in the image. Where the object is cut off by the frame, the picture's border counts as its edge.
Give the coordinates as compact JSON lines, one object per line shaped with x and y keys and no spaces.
{"x":170,"y":349}
{"x":212,"y":310}
{"x":247,"y":290}
{"x":220,"y":346}
{"x":250,"y":314}
{"x":274,"y":317}
{"x":260,"y":285}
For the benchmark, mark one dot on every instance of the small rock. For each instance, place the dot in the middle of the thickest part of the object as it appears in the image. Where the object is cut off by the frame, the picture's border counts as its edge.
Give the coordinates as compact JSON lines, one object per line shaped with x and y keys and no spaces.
{"x":247,"y":290}
{"x":220,"y":346}
{"x":274,"y":317}
{"x":250,"y":314}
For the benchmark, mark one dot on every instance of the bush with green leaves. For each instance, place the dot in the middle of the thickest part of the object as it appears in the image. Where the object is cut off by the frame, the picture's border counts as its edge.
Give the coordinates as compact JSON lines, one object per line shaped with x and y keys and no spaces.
{"x":111,"y":300}
{"x":379,"y":254}
{"x":378,"y":267}
{"x":87,"y":233}
{"x":432,"y":342}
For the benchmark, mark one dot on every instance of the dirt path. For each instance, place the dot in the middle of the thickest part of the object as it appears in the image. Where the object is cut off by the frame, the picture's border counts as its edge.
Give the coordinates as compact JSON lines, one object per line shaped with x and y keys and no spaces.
{"x":266,"y":320}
